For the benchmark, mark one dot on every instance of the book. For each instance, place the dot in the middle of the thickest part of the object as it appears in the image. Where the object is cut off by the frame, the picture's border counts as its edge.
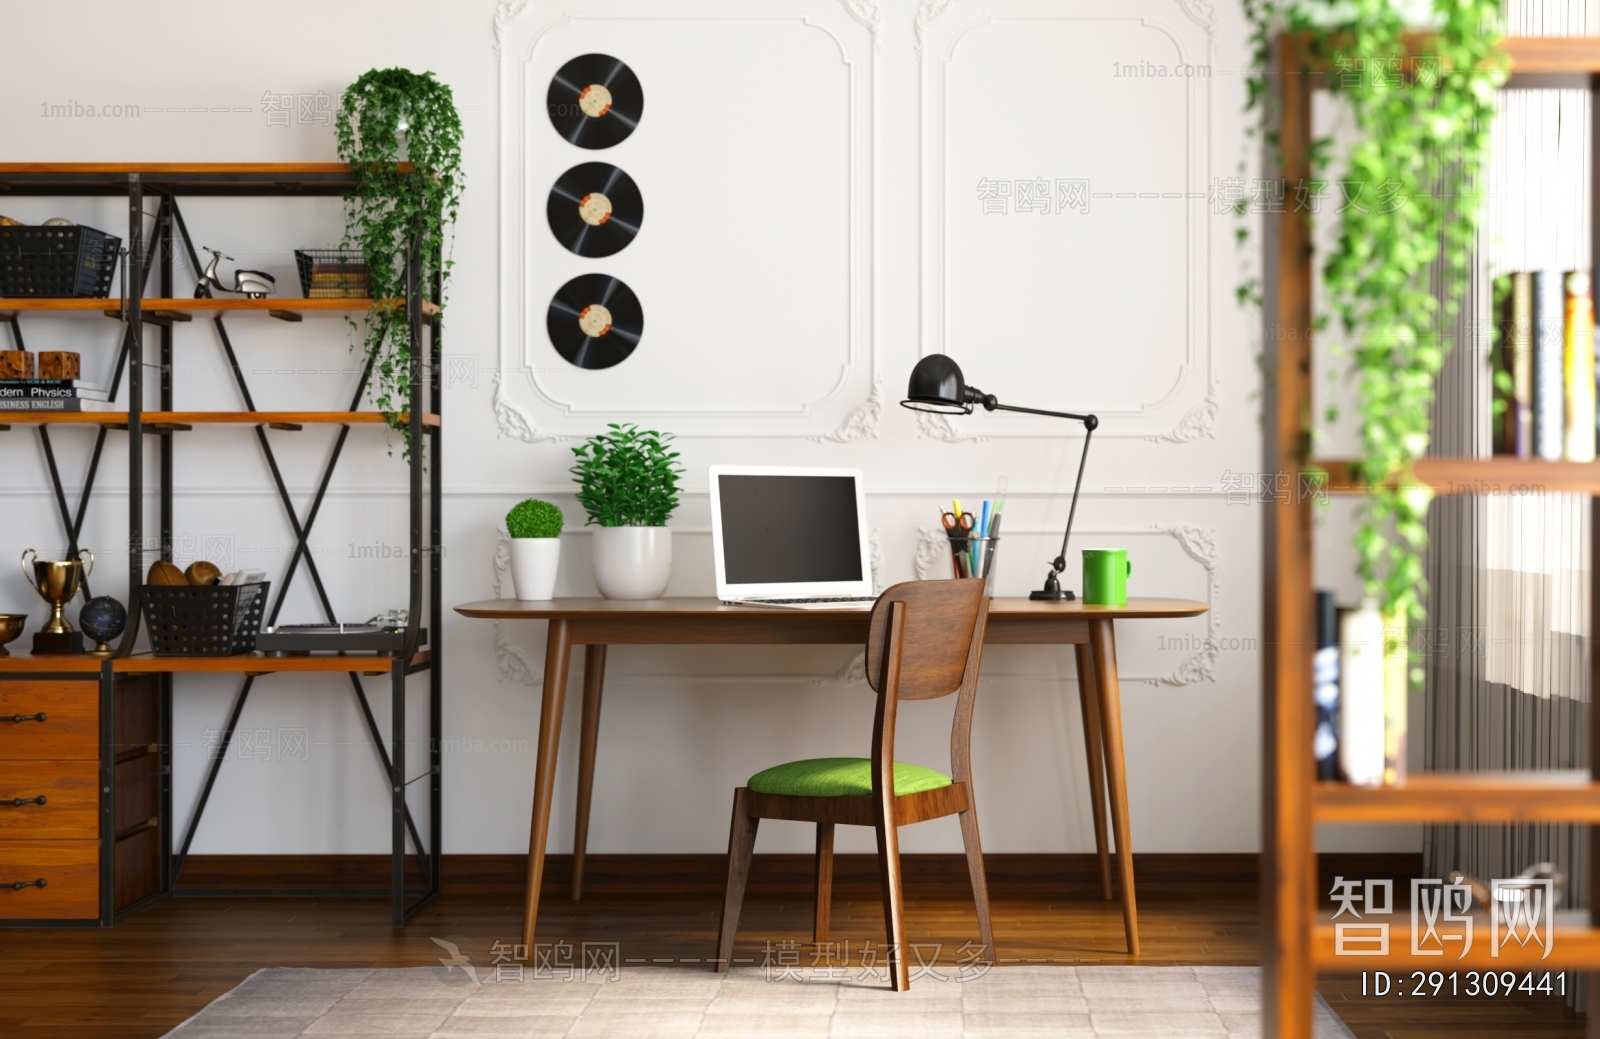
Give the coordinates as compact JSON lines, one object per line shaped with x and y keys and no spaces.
{"x":46,"y":389}
{"x":55,"y":404}
{"x":1361,"y":695}
{"x":1549,"y":396}
{"x":1579,"y":350}
{"x":1325,"y":688}
{"x":1518,"y":358}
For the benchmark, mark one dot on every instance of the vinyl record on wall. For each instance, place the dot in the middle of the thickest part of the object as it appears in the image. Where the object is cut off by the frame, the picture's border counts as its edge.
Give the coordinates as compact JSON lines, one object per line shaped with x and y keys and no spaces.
{"x":595,"y":101}
{"x":595,"y":321}
{"x":595,"y":209}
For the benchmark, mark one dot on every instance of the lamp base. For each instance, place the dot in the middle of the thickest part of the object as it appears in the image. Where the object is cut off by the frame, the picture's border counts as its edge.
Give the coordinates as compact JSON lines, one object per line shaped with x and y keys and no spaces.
{"x":1046,"y":595}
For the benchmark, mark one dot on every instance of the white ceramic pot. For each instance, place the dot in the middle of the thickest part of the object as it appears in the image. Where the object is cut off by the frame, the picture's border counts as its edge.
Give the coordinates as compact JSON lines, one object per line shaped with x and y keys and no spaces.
{"x":534,"y":562}
{"x":632,"y":562}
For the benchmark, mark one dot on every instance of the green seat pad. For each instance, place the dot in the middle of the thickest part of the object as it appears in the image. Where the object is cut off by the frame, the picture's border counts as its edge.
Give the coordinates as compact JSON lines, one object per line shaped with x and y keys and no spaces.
{"x":842,"y":777}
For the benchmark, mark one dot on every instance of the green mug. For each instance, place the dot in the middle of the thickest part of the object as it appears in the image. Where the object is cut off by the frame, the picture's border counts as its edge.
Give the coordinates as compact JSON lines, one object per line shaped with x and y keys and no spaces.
{"x":1105,"y":576}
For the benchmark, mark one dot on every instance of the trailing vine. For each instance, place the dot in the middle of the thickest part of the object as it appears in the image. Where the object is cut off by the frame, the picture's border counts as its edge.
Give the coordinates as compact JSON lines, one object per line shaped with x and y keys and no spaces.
{"x":388,"y":117}
{"x":1408,"y":204}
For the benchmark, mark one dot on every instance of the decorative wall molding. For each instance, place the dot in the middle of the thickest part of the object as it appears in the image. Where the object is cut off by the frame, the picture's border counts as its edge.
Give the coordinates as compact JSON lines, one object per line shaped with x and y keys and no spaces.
{"x":1199,"y":423}
{"x":513,"y":662}
{"x":928,"y":11}
{"x":1202,"y":12}
{"x":938,"y":36}
{"x":536,"y":399}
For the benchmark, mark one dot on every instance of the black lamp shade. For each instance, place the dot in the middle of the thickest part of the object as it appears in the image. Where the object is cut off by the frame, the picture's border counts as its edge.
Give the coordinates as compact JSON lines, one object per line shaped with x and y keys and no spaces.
{"x":937,"y":385}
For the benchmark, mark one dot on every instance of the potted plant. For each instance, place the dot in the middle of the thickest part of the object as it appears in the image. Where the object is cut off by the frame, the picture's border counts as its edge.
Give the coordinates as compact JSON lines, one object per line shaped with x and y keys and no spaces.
{"x":535,"y":529}
{"x":401,"y":134}
{"x":628,"y":485}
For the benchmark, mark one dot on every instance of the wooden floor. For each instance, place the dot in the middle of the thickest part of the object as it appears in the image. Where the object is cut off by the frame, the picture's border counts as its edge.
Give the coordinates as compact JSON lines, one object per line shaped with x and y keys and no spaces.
{"x":145,"y":976}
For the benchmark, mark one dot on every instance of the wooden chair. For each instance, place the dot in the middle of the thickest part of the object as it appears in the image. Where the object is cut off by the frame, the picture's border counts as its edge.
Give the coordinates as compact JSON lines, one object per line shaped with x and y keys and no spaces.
{"x":925,"y":642}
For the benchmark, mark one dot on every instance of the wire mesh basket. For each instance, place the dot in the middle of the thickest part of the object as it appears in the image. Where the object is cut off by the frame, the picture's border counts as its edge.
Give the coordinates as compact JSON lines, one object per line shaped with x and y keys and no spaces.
{"x":218,"y":620}
{"x":57,"y":261}
{"x":332,"y":273}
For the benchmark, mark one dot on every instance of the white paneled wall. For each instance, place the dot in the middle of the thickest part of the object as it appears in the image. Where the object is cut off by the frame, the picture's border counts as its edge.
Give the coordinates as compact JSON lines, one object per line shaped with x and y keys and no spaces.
{"x":797,"y":258}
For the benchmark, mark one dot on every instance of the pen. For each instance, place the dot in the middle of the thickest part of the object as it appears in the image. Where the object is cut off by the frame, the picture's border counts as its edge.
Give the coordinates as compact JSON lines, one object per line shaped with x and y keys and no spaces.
{"x":983,"y":522}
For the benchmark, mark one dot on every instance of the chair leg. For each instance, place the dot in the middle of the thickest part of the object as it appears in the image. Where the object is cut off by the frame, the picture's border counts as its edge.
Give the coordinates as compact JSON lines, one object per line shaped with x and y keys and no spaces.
{"x":824,"y":915}
{"x":980,"y":881}
{"x":741,"y":842}
{"x":894,"y":915}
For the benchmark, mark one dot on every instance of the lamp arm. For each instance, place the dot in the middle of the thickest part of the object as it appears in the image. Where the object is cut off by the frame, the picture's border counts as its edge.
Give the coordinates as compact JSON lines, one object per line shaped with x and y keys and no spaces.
{"x":1060,"y":563}
{"x":1088,"y":420}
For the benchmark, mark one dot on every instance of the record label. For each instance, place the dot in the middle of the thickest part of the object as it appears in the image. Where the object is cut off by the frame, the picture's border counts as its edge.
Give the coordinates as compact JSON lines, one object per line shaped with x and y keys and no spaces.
{"x":595,"y":101}
{"x":595,"y":209}
{"x":595,"y":321}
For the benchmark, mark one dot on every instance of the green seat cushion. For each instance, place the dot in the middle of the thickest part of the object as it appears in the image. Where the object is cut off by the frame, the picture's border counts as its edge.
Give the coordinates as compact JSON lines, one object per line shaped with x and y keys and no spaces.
{"x":842,"y":777}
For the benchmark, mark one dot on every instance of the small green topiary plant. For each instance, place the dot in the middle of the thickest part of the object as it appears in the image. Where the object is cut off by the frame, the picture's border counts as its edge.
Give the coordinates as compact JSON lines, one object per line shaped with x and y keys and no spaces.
{"x":534,"y":519}
{"x":627,"y":477}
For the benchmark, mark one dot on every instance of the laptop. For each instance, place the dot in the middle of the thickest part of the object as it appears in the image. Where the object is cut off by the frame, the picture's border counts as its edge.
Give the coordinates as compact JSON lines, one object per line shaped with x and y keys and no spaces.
{"x":791,"y":538}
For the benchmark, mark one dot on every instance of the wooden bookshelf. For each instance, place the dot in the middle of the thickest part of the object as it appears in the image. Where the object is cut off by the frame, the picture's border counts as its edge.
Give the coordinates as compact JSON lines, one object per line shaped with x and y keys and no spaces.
{"x":188,"y":178}
{"x":1297,"y":938}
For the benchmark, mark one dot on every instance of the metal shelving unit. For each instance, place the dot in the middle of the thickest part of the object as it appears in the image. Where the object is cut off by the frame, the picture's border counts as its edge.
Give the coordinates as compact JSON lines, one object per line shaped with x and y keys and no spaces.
{"x":153,"y":254}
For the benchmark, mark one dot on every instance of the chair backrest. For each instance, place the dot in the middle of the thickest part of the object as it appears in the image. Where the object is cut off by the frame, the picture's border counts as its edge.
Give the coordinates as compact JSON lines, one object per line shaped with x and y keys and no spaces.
{"x":939,"y":626}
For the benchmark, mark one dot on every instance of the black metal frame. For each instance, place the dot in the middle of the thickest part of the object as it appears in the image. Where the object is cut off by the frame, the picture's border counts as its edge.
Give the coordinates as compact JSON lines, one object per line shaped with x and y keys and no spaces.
{"x":424,"y":396}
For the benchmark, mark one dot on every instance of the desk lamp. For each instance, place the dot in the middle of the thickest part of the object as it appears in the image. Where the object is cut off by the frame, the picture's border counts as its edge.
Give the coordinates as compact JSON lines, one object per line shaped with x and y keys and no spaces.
{"x":937,"y":386}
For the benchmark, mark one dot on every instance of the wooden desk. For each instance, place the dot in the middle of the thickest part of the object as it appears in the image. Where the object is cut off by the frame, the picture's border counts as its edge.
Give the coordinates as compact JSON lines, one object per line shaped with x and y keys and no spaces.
{"x":598,"y":623}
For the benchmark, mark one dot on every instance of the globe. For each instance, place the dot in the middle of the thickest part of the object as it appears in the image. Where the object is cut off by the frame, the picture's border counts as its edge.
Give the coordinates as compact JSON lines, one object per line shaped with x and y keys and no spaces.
{"x":102,"y":619}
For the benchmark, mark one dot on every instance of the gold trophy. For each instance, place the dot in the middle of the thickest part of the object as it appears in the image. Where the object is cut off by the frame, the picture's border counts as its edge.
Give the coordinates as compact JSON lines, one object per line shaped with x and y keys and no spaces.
{"x":57,"y":581}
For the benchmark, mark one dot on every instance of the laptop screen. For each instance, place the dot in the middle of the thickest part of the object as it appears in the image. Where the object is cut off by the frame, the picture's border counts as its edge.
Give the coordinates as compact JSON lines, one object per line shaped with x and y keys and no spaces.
{"x":783,"y":529}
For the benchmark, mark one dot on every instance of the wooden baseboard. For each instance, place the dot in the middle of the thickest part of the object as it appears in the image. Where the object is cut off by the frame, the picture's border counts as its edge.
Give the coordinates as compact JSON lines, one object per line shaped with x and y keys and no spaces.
{"x":1202,"y":876}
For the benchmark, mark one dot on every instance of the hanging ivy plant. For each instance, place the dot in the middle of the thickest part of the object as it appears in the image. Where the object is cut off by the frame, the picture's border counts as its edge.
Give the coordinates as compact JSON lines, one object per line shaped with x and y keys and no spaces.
{"x":1408,"y":204}
{"x":389,"y":117}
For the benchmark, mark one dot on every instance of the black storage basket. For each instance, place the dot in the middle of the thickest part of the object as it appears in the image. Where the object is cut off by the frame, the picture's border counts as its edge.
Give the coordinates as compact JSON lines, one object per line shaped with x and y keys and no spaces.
{"x":56,"y":262}
{"x":204,"y":621}
{"x":332,"y":273}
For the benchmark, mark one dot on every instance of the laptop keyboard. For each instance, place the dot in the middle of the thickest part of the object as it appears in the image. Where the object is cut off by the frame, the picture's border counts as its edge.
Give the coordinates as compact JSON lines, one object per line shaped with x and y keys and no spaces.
{"x":820,"y":598}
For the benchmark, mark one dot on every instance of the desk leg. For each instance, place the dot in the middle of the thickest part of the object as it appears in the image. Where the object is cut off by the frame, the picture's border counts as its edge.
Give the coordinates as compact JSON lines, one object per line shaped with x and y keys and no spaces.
{"x":1103,"y":647}
{"x":594,"y":678}
{"x":1089,"y":699}
{"x":557,"y":655}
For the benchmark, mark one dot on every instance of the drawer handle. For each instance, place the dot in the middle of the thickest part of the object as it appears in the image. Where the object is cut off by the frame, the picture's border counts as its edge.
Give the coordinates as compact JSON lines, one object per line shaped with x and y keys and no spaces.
{"x":20,"y":718}
{"x":18,"y":802}
{"x":19,"y":885}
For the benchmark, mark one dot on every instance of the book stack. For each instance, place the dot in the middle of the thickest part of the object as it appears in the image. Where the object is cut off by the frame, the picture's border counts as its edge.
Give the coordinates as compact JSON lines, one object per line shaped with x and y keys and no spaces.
{"x":52,"y":395}
{"x":1544,"y":366}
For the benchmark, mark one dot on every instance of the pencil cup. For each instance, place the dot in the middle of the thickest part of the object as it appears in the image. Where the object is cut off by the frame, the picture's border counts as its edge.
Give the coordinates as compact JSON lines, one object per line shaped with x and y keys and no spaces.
{"x":974,"y":557}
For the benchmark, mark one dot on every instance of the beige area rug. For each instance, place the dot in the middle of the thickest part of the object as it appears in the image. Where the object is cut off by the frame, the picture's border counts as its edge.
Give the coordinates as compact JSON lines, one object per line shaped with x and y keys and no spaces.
{"x":1003,"y":1003}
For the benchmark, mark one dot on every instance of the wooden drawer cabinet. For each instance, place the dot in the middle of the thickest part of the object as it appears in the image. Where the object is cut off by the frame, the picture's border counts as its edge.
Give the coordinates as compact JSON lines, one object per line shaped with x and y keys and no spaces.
{"x":70,"y":871}
{"x":98,"y":826}
{"x":70,"y":726}
{"x":71,"y":808}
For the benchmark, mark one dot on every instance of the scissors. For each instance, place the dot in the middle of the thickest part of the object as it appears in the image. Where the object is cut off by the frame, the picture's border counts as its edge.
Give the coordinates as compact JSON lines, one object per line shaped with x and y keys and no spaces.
{"x":957,"y":526}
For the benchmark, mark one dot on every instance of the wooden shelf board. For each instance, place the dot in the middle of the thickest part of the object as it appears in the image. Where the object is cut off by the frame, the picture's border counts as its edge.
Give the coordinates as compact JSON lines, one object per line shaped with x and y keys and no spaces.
{"x":187,"y":178}
{"x":1573,"y":946}
{"x":1498,"y":475}
{"x":1528,"y":54}
{"x":109,"y":307}
{"x":277,"y":419}
{"x":245,"y":663}
{"x":1553,"y":53}
{"x":145,"y":663}
{"x":1568,"y":796}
